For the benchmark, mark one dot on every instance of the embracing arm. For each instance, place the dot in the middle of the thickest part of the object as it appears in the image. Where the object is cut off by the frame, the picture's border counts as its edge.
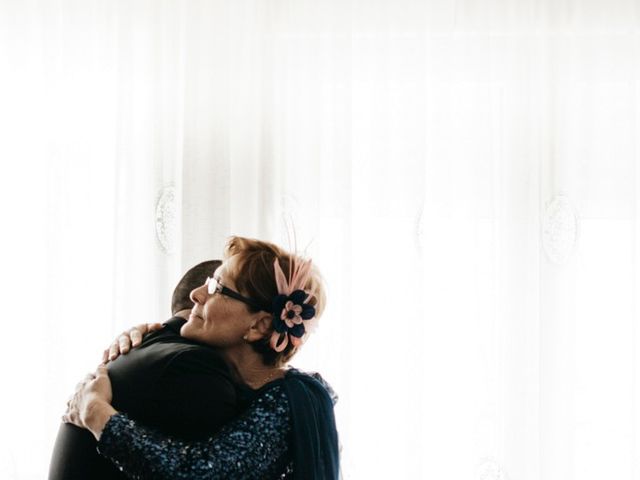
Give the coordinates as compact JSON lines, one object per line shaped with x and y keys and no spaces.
{"x":255,"y":445}
{"x":129,"y":339}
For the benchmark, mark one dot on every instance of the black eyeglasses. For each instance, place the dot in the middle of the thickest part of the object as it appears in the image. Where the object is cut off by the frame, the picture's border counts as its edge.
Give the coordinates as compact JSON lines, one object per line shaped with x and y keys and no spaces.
{"x":214,"y":286}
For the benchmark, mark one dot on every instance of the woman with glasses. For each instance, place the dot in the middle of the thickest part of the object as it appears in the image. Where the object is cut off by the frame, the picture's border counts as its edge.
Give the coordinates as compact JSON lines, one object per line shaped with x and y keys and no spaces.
{"x":257,"y":309}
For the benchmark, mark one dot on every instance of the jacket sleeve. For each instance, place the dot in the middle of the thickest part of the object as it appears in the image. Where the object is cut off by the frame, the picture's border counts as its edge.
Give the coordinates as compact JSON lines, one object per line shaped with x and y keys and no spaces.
{"x":255,"y":445}
{"x":195,"y":395}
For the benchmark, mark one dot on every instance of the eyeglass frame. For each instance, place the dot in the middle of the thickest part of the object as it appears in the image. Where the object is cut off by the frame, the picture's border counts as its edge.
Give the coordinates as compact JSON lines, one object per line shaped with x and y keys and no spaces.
{"x":220,"y":288}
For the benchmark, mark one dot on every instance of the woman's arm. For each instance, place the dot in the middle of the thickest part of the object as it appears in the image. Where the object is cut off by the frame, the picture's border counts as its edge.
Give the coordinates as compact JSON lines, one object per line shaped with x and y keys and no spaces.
{"x":255,"y":445}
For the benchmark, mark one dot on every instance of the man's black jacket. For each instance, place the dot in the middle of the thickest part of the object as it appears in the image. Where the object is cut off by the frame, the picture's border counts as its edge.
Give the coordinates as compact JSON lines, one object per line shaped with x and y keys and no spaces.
{"x":180,"y":387}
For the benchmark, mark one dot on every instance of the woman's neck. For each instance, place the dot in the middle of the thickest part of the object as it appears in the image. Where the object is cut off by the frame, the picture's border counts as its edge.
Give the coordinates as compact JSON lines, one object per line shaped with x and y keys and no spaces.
{"x":250,"y":368}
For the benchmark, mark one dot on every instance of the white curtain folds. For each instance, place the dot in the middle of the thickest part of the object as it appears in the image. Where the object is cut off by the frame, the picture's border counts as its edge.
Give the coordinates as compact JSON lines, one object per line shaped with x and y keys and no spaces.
{"x":465,"y":174}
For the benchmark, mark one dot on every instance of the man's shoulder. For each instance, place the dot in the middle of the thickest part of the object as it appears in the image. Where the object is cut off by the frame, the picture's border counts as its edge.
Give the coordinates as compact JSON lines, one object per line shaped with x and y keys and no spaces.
{"x":165,"y":352}
{"x":170,"y":330}
{"x":185,"y":356}
{"x":169,"y":336}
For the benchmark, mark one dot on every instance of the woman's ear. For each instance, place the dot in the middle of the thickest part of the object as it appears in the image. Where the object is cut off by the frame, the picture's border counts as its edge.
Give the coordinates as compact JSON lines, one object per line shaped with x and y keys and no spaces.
{"x":260,"y":328}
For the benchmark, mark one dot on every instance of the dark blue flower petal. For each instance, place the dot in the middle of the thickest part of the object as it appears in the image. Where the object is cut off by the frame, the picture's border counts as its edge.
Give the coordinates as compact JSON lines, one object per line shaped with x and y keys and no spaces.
{"x":308,"y":311}
{"x":278,"y":324}
{"x":297,"y":330}
{"x":298,"y":297}
{"x":278,"y":304}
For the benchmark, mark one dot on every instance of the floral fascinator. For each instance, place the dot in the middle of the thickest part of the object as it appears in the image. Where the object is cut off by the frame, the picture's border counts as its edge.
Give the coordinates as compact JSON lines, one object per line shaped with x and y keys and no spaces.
{"x":290,"y":308}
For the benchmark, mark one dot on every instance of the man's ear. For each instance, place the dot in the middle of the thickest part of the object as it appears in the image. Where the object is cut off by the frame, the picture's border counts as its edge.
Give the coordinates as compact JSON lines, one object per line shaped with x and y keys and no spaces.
{"x":260,"y":328}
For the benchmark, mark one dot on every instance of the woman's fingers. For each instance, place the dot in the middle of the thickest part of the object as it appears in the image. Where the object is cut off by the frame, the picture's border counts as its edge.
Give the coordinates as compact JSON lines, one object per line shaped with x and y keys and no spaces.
{"x":88,"y":377}
{"x":135,"y":337}
{"x":139,"y":331}
{"x":129,"y":339}
{"x":71,"y":415}
{"x":101,"y":384}
{"x":121,"y":345}
{"x":114,"y":350}
{"x":124,"y":342}
{"x":136,"y":333}
{"x":152,"y":327}
{"x":94,"y":385}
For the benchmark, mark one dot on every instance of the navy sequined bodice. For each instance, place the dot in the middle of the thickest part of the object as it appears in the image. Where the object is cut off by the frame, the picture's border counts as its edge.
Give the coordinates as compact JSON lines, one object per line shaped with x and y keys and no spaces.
{"x":253,"y":446}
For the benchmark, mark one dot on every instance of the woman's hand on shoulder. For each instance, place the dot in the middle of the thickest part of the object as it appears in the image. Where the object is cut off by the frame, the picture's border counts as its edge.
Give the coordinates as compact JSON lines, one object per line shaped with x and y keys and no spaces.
{"x":90,"y":406}
{"x":127,"y":340}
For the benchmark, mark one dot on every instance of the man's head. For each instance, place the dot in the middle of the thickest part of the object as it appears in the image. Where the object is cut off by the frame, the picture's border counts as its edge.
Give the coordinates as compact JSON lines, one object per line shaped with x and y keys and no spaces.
{"x":195,"y":277}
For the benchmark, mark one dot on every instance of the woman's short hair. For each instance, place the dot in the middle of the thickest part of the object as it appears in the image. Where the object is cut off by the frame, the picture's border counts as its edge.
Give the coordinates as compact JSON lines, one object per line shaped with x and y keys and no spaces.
{"x":254,"y":276}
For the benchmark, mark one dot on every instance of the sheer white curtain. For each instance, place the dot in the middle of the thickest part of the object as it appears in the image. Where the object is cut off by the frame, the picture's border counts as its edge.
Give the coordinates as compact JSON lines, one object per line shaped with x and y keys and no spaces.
{"x":466,"y":176}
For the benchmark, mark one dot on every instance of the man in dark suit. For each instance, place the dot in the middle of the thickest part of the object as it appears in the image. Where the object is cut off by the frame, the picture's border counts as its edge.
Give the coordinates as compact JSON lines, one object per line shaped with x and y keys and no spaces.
{"x":173,"y":384}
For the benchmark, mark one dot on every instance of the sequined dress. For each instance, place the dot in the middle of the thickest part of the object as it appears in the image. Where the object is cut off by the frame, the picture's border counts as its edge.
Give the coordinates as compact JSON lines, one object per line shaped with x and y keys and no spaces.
{"x":253,"y":446}
{"x":288,"y":431}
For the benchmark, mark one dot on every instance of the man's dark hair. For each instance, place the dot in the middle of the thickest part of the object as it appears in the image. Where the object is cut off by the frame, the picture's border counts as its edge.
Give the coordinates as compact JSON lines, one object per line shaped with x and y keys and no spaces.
{"x":194,"y":277}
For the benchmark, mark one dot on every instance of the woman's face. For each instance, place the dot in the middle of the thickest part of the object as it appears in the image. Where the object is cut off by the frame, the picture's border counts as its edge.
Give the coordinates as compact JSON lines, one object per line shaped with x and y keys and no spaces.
{"x":217,"y":319}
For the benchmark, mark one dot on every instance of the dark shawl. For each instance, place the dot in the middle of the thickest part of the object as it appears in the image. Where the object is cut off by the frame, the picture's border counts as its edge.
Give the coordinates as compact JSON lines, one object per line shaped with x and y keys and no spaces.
{"x":314,"y":439}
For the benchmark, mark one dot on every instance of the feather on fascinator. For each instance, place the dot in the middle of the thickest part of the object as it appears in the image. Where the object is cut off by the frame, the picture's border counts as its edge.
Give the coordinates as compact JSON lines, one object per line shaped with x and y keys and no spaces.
{"x":290,"y":308}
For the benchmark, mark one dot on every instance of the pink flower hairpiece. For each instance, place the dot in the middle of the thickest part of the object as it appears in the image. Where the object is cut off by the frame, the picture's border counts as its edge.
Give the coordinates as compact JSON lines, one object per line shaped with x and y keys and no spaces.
{"x":290,"y":307}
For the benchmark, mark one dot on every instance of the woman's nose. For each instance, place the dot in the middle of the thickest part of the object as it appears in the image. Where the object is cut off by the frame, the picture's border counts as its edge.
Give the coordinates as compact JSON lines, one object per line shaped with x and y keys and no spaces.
{"x":198,"y":295}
